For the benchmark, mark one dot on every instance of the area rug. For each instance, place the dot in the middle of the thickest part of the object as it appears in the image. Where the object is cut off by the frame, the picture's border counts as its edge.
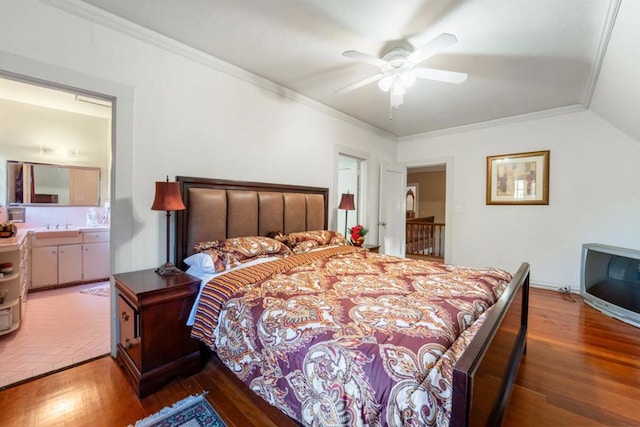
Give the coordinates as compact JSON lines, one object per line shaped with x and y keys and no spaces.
{"x":101,"y":291}
{"x":193,"y":411}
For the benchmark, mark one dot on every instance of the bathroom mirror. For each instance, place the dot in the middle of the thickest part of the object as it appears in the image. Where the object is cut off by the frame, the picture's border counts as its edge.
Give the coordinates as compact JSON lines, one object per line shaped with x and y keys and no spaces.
{"x":40,"y":183}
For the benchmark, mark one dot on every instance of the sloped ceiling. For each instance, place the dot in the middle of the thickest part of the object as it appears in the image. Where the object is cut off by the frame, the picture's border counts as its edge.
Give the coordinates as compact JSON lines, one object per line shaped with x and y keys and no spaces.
{"x":617,"y":95}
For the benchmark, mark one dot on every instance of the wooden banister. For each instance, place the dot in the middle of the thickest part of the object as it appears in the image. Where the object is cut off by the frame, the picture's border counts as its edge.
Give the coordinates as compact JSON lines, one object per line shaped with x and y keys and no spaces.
{"x":424,"y":237}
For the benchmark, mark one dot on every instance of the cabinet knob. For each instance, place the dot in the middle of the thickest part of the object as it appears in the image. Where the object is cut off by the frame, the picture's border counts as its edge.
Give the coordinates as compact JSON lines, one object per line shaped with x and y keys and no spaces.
{"x":127,"y":343}
{"x":125,"y":316}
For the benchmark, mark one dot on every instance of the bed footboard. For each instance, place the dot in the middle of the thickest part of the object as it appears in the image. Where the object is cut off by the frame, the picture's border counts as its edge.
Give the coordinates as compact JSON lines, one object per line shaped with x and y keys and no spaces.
{"x":484,"y":375}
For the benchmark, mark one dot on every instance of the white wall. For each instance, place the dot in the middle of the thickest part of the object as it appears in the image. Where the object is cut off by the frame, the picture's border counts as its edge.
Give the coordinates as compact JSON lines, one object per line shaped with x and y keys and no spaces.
{"x":187,"y":119}
{"x":594,"y":194}
{"x":431,"y":195}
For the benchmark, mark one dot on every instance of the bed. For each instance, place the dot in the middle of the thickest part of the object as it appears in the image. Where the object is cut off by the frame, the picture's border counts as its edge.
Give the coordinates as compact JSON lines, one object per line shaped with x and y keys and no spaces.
{"x":374,"y":370}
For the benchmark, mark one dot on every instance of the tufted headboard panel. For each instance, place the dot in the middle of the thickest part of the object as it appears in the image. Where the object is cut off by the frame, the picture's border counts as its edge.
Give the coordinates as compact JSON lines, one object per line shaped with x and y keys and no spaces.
{"x":218,"y":209}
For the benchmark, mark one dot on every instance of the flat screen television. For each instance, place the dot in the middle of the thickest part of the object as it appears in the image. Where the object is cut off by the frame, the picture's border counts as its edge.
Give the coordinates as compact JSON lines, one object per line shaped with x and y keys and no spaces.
{"x":610,"y":281}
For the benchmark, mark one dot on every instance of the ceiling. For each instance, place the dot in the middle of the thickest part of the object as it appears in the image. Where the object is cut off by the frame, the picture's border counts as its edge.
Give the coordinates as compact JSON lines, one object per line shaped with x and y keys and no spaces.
{"x":41,"y":96}
{"x":521,"y":56}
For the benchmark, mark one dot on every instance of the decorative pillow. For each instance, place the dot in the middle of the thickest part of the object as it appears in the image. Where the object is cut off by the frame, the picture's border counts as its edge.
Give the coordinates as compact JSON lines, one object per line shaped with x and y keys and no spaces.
{"x":304,"y":241}
{"x":204,"y":262}
{"x":228,"y":253}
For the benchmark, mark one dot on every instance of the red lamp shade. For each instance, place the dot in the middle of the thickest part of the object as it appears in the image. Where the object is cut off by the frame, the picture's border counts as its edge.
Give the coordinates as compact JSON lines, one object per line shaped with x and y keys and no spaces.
{"x":346,"y":202}
{"x":167,"y":197}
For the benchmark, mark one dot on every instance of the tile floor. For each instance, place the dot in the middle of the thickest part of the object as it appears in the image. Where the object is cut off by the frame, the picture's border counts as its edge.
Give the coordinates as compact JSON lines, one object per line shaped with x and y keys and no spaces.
{"x":62,"y":327}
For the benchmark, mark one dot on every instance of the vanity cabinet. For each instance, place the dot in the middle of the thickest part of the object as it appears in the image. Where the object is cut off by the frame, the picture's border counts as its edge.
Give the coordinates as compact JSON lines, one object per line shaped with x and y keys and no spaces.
{"x":61,"y":260}
{"x":56,"y":261}
{"x":13,"y":285}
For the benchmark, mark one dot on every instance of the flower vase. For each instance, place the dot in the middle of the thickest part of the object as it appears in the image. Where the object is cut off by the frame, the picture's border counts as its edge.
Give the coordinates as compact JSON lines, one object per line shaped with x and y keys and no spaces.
{"x":358,"y":242}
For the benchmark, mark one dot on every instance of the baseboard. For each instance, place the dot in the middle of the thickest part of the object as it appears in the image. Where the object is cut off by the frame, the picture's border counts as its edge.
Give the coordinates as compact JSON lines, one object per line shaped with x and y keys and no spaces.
{"x":554,"y":287}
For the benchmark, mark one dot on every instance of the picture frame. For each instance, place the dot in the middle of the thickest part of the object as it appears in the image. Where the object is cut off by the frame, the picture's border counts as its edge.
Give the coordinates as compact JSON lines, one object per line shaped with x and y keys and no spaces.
{"x":518,"y":179}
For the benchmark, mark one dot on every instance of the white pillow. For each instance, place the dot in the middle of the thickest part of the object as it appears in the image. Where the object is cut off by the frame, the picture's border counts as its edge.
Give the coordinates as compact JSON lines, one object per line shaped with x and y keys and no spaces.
{"x":201,"y":262}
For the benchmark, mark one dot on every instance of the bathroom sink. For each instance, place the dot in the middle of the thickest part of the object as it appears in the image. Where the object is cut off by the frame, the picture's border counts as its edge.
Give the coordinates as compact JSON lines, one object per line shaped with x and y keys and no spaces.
{"x":49,"y":233}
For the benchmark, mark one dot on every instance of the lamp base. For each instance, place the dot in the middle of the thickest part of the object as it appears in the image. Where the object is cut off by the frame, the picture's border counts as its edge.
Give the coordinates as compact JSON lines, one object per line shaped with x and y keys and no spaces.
{"x":168,"y":269}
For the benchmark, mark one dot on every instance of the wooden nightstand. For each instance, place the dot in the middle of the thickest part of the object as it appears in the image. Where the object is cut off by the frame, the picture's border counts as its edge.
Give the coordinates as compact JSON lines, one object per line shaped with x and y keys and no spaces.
{"x":372,"y":248}
{"x":154,"y":342}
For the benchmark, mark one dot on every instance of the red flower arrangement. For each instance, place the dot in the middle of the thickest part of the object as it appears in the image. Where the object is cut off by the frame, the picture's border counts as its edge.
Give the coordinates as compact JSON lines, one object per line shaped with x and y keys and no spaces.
{"x":357,"y":234}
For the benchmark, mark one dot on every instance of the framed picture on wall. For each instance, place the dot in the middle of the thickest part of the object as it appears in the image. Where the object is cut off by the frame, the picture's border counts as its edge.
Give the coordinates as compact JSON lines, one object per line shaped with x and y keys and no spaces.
{"x":518,"y":179}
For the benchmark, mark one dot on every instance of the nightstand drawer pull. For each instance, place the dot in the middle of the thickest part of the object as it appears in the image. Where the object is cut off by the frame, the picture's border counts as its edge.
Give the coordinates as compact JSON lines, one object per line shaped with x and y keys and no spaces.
{"x":125,"y":316}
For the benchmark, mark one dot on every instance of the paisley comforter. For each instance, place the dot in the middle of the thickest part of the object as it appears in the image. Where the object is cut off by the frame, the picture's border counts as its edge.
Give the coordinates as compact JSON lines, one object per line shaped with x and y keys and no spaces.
{"x":342,"y":336}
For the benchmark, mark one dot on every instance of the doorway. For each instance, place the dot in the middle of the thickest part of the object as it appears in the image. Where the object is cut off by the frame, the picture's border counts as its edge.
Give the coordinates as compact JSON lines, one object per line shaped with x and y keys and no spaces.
{"x":426,"y":222}
{"x":56,"y":126}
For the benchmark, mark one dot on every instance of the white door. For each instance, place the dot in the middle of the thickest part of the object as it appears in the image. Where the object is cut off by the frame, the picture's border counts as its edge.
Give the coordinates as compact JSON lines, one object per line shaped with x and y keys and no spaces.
{"x":69,"y":263}
{"x":44,"y":266}
{"x":391,"y":225}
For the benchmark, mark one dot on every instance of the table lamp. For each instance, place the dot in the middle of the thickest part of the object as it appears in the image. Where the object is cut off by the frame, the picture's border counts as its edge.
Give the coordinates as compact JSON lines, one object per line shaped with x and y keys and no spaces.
{"x":167,"y":199}
{"x":346,"y":203}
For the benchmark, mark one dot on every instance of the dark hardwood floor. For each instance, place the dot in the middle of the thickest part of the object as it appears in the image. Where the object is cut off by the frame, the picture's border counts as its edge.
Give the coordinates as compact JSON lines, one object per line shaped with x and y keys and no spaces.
{"x":581,"y":368}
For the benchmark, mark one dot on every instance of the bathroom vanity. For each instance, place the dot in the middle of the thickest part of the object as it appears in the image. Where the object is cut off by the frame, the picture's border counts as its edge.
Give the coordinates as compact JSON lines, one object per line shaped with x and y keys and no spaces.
{"x":69,"y":255}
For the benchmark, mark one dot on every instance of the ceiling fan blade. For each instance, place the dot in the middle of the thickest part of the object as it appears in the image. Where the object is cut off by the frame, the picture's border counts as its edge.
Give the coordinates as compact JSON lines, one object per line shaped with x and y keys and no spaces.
{"x":363,"y":57}
{"x":441,"y":42}
{"x":440,"y":75}
{"x":361,"y":83}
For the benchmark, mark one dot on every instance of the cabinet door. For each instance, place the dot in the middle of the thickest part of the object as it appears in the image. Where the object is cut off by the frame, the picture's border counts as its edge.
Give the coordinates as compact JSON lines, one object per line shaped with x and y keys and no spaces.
{"x":69,"y":263}
{"x":44,"y":266}
{"x":95,"y":260}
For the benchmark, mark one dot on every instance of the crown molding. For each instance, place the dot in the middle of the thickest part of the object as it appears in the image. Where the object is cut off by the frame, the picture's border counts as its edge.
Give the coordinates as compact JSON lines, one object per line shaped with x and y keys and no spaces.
{"x":605,"y":37}
{"x":99,"y":16}
{"x":116,"y":23}
{"x":494,"y":123}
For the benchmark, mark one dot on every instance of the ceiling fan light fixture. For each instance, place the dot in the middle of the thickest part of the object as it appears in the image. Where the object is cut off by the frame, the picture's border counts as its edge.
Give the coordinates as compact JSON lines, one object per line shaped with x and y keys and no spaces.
{"x":396,"y":100}
{"x":385,"y":83}
{"x":399,"y":71}
{"x":398,"y":88}
{"x":408,"y":78}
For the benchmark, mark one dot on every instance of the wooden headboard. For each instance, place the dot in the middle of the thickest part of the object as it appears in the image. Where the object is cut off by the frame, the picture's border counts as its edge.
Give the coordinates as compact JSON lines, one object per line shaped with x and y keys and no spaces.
{"x":218,"y":209}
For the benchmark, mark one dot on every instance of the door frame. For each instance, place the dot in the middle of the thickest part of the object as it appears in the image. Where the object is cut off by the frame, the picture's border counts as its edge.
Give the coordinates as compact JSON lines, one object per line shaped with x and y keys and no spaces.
{"x":365,"y":179}
{"x":34,"y":72}
{"x":449,"y":211}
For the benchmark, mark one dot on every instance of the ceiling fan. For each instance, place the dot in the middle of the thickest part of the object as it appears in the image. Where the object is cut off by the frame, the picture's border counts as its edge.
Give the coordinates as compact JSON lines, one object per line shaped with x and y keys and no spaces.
{"x":398,"y":68}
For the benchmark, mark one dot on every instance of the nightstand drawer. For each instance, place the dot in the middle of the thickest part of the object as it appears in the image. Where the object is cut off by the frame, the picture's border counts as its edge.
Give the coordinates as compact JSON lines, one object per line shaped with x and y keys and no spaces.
{"x":129,"y":323}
